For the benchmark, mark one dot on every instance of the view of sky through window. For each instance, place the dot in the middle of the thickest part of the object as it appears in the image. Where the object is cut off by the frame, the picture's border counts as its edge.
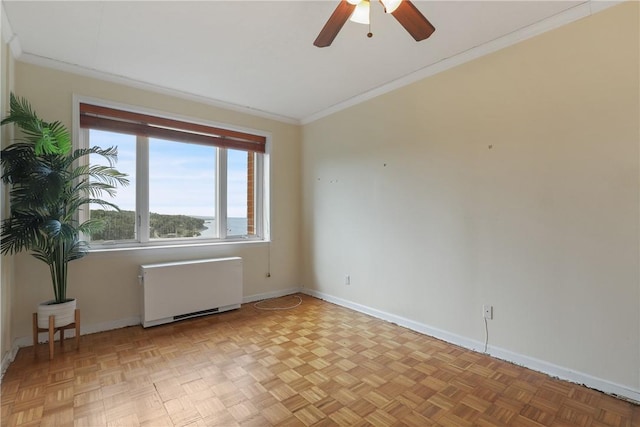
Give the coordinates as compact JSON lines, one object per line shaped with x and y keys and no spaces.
{"x":126,"y":196}
{"x":182,"y":182}
{"x":181,"y":176}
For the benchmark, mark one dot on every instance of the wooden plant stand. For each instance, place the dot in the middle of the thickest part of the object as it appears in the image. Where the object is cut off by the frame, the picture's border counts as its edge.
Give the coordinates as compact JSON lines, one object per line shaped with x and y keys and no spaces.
{"x":52,"y":331}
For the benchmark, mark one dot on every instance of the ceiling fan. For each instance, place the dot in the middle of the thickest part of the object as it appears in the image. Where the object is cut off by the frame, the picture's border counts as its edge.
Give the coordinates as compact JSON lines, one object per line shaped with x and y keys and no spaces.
{"x":403,"y":10}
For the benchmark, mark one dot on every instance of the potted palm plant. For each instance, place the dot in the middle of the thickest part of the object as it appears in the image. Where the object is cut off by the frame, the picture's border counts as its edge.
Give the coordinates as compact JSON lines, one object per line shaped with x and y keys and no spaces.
{"x":49,"y":187}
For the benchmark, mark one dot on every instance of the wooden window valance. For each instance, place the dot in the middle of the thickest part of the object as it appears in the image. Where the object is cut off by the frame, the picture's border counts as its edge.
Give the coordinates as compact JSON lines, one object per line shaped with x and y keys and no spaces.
{"x":114,"y":120}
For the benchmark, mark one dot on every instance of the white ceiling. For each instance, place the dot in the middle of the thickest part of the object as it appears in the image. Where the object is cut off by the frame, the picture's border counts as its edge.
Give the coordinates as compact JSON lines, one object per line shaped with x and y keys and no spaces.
{"x":258,"y":55}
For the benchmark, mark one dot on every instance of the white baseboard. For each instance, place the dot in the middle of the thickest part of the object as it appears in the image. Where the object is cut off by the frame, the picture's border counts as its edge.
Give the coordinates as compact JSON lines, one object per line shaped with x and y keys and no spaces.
{"x":267,"y":295}
{"x":560,"y":372}
{"x":108,"y":326}
{"x":84,"y":330}
{"x":500,"y":353}
{"x":115,"y":324}
{"x":43,"y":337}
{"x":7,"y":359}
{"x":567,"y":374}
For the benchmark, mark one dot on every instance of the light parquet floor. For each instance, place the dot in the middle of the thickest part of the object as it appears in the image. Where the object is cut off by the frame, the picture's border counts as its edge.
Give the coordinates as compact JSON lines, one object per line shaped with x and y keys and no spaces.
{"x":315,"y":365}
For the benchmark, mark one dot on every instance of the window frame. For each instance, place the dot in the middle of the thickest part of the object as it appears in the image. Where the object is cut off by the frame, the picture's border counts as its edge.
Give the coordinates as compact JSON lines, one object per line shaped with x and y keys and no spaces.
{"x":261,"y":182}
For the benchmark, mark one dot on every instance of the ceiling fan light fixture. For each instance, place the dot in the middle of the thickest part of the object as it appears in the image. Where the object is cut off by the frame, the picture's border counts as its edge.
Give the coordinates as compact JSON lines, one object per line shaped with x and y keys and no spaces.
{"x":390,"y":5}
{"x":361,"y":13}
{"x":404,"y":11}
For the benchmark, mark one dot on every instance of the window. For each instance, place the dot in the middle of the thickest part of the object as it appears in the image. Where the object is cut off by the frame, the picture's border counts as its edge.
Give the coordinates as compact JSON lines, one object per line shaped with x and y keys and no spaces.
{"x":189,"y":182}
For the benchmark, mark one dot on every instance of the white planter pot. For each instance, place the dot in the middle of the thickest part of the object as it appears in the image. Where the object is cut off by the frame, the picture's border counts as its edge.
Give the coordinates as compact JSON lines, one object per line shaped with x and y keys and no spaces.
{"x":64,"y":313}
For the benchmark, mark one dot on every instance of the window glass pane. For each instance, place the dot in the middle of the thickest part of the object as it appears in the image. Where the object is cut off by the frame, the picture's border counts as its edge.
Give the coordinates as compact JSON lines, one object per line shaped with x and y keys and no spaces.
{"x":182,"y":190}
{"x":240,"y":193}
{"x":186,"y":191}
{"x":118,"y":225}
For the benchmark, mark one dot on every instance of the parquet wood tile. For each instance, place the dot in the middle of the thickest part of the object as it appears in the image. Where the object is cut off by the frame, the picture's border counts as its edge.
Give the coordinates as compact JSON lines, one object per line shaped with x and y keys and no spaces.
{"x":315,"y":365}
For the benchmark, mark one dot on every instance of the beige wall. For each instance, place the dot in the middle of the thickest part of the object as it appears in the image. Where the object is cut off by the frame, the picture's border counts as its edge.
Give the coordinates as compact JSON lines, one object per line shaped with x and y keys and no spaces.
{"x":512,"y":180}
{"x":105,"y":283}
{"x":6,"y":263}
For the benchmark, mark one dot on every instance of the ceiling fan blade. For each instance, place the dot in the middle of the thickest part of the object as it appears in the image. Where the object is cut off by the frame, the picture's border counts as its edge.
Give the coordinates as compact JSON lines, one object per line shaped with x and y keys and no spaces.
{"x":413,"y":21}
{"x":334,"y":24}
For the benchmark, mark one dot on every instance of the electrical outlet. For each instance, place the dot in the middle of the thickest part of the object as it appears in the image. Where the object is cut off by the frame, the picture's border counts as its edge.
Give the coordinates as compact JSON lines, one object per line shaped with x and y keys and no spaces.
{"x":347,"y":280}
{"x":487,"y":311}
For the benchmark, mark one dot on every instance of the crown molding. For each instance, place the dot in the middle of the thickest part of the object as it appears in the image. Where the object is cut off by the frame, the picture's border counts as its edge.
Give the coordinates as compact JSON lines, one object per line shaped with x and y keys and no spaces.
{"x":13,"y":41}
{"x":570,"y":15}
{"x":8,"y":36}
{"x":137,"y":84}
{"x":575,"y":13}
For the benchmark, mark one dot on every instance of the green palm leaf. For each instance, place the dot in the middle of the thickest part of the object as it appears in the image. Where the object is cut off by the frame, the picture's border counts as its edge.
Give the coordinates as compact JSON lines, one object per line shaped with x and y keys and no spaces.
{"x":47,"y":138}
{"x":48,"y":190}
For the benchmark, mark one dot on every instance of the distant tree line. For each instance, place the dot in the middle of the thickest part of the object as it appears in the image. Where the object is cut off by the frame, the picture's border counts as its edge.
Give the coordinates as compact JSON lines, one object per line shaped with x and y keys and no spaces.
{"x":121,"y":225}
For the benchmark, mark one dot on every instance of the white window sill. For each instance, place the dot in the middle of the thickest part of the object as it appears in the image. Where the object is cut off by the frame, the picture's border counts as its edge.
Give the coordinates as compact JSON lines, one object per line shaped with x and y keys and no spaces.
{"x":163,"y":245}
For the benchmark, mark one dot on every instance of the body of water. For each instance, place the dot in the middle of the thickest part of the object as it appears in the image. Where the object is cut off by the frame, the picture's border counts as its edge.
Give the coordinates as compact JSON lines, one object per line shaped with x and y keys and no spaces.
{"x":235,"y":227}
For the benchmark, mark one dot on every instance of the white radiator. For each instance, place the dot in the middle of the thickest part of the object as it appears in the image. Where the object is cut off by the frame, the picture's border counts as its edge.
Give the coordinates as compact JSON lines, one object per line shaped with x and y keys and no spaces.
{"x":179,"y":290}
